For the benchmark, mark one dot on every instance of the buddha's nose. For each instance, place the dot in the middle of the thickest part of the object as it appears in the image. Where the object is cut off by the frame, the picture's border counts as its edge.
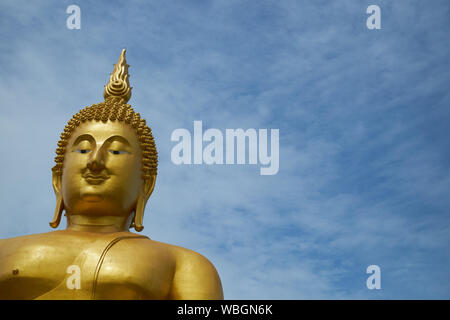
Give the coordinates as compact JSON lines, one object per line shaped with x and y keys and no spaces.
{"x":96,"y":162}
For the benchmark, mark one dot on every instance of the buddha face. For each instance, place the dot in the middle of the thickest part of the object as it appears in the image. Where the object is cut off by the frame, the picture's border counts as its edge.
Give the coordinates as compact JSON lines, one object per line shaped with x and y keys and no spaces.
{"x":102,"y":170}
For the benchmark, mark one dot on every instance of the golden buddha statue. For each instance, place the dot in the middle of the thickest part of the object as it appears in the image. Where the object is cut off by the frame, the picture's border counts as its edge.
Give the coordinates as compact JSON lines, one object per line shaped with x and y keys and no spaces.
{"x":105,"y":172}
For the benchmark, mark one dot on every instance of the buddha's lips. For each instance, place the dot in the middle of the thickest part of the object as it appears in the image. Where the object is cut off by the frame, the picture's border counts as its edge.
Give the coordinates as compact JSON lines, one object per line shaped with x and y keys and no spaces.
{"x":95,"y":179}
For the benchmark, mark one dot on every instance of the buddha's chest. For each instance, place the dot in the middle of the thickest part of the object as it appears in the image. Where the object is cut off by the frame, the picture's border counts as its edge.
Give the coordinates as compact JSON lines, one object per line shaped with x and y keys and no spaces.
{"x":83,"y":271}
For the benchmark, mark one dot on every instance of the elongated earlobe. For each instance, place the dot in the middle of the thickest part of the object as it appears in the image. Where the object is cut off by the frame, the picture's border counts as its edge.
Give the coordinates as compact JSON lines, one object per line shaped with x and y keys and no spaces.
{"x":56,"y":179}
{"x":58,"y":212}
{"x":139,"y":214}
{"x":145,"y":193}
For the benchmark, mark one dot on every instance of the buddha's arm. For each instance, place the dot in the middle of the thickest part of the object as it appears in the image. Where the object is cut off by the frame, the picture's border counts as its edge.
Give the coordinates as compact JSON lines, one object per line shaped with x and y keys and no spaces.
{"x":195,"y":278}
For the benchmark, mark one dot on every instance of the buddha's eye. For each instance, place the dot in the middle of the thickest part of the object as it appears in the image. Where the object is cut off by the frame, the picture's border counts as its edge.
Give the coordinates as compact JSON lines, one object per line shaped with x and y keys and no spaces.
{"x":118,"y":152}
{"x":83,"y":150}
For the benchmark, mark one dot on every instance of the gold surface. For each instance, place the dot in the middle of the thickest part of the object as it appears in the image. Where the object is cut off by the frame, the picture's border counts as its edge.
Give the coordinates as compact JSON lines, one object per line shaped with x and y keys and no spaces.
{"x":104,"y":174}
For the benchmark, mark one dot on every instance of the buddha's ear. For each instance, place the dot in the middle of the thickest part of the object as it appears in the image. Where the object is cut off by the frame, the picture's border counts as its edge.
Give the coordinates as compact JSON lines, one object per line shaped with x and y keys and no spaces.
{"x":56,"y":180}
{"x":148,"y":186}
{"x":146,"y":191}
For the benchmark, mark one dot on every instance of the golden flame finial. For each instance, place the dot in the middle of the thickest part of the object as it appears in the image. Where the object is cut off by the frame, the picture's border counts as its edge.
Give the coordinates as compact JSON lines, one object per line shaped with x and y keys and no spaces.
{"x":118,"y":84}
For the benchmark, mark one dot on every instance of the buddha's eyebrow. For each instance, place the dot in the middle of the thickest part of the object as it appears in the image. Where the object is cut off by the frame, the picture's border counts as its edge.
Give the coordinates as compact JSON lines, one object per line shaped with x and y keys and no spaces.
{"x":83,"y":137}
{"x":120,"y":139}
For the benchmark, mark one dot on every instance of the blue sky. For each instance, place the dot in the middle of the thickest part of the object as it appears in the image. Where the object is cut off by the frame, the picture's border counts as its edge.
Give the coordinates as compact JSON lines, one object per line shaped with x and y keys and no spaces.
{"x":363,"y":117}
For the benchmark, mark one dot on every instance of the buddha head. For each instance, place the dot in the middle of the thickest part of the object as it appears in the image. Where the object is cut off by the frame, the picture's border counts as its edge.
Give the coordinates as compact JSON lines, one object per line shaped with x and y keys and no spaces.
{"x":106,"y":161}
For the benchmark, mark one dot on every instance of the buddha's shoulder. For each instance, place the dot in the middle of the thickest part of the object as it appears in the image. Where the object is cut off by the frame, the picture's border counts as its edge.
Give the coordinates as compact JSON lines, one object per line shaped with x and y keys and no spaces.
{"x":193,"y":266}
{"x":22,"y":244}
{"x":195,"y":277}
{"x":183,"y":257}
{"x":147,"y":248}
{"x":24,"y":240}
